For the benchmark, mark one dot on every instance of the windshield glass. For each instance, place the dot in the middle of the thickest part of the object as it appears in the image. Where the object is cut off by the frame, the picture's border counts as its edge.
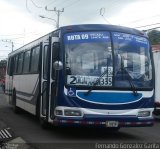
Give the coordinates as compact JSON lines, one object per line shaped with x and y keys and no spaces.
{"x":132,"y":53}
{"x":89,"y":54}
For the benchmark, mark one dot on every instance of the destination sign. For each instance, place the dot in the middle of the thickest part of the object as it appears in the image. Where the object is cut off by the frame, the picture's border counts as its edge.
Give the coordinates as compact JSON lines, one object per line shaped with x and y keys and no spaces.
{"x":130,"y":38}
{"x":81,"y":37}
{"x":89,"y":80}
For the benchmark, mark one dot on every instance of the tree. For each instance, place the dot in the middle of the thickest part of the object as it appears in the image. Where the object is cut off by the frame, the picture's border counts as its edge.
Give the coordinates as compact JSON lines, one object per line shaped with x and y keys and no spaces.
{"x":154,"y":37}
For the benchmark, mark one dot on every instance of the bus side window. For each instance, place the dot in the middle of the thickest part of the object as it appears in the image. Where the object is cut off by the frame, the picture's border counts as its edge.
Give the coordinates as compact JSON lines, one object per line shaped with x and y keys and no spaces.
{"x":15,"y":64}
{"x":35,"y":59}
{"x":45,"y":62}
{"x":20,"y":63}
{"x":26,"y":61}
{"x":9,"y":67}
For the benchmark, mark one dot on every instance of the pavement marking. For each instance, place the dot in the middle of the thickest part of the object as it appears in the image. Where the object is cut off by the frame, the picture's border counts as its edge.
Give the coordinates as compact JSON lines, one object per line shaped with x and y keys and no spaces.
{"x":5,"y":134}
{"x":7,"y":140}
{"x":2,"y":136}
{"x":8,"y":133}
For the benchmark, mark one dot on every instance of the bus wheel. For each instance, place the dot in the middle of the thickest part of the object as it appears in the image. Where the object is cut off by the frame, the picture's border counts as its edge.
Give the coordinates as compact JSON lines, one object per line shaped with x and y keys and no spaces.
{"x":15,"y":108}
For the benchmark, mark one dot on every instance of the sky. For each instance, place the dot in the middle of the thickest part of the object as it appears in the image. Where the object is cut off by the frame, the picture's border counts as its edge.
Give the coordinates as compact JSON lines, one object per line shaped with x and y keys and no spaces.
{"x":20,"y":20}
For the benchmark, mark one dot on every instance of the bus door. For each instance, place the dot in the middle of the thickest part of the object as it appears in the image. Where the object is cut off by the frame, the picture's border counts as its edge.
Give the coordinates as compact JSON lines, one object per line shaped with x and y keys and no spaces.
{"x":54,"y":75}
{"x":48,"y":80}
{"x":45,"y":78}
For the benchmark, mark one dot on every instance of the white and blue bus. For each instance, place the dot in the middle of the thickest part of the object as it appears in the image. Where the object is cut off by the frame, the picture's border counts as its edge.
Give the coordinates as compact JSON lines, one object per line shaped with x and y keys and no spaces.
{"x":94,"y":75}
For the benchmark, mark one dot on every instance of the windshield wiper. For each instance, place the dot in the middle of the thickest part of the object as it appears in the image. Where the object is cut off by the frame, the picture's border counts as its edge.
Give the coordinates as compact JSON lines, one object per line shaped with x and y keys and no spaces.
{"x":130,"y":82}
{"x":106,"y":71}
{"x":129,"y":78}
{"x":96,"y":82}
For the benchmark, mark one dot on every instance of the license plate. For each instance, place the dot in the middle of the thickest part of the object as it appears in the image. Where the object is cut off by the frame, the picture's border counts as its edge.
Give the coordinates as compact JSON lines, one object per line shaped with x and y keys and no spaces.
{"x":111,"y":123}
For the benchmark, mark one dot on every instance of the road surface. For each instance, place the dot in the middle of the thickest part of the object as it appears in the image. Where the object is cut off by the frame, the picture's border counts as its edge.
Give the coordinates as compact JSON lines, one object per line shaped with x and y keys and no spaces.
{"x":26,"y":126}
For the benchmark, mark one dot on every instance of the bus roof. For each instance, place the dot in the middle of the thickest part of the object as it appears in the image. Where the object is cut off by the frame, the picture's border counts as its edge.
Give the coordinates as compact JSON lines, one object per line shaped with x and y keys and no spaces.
{"x":100,"y":27}
{"x":83,"y":27}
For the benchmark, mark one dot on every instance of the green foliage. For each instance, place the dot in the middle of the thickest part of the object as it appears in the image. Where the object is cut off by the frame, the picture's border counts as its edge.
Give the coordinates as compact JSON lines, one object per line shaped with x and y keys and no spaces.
{"x":154,"y":37}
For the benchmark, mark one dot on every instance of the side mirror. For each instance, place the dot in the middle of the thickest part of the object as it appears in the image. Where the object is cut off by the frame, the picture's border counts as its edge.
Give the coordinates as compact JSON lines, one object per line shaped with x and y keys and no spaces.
{"x":57,"y":65}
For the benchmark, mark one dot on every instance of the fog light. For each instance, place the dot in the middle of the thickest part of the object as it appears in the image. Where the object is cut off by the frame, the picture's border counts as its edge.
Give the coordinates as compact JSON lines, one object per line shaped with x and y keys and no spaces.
{"x":143,"y":113}
{"x":72,"y":112}
{"x":59,"y":112}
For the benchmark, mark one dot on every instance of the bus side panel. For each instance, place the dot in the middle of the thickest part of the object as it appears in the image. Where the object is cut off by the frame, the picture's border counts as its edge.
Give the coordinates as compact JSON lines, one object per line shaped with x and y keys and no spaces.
{"x":27,"y":89}
{"x":156,"y":56}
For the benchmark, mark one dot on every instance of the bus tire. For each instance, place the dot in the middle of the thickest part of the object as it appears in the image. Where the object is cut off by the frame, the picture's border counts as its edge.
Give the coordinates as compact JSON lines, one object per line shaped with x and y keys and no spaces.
{"x":15,"y":108}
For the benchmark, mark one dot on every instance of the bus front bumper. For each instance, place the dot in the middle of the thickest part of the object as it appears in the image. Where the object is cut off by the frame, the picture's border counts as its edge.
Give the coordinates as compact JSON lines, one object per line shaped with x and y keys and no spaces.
{"x":105,"y":121}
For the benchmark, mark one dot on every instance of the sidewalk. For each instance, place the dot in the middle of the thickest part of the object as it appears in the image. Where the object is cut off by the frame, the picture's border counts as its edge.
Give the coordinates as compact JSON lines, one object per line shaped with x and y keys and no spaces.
{"x":8,"y":139}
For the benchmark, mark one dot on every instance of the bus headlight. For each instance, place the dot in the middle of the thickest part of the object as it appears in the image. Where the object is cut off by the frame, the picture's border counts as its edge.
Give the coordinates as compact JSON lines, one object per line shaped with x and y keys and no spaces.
{"x":58,"y":112}
{"x":144,"y":113}
{"x":70,"y":112}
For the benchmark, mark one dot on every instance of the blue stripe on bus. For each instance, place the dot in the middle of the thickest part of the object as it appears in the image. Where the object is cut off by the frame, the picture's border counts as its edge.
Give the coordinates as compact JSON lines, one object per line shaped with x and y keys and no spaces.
{"x":76,"y":102}
{"x":110,"y":98}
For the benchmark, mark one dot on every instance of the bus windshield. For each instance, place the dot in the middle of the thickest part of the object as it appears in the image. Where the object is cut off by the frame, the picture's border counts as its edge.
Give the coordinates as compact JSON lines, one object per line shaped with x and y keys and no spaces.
{"x":90,"y":54}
